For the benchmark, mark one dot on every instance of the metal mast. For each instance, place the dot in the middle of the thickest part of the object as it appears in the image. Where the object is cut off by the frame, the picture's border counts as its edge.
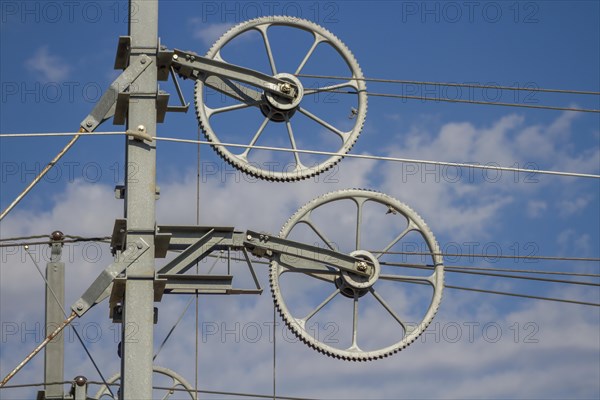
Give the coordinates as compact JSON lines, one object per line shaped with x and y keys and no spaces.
{"x":140,"y":192}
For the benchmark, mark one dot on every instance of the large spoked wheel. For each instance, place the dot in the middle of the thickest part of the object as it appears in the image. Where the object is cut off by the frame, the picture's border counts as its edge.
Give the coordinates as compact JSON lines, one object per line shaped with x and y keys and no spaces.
{"x":319,"y":118}
{"x":349,"y":316}
{"x":175,"y":386}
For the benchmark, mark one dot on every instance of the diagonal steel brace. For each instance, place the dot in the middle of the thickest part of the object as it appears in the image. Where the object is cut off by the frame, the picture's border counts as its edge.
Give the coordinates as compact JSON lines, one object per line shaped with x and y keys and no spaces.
{"x":105,"y":108}
{"x":100,"y":288}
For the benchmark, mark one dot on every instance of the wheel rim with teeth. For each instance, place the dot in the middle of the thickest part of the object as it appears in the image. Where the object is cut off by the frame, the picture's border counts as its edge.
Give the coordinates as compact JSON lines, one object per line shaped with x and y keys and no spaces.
{"x":351,"y":288}
{"x":298,"y":118}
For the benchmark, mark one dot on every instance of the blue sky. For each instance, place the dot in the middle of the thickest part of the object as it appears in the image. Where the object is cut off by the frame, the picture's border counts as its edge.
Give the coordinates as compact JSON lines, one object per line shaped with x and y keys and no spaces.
{"x":55,"y":57}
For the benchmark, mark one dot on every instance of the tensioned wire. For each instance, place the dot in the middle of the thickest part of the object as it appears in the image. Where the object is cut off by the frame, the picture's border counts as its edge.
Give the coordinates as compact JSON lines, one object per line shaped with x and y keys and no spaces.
{"x":105,"y":239}
{"x":450,"y":100}
{"x":173,"y":389}
{"x":453,"y":84}
{"x":503,"y":293}
{"x":49,"y":288}
{"x":329,"y":153}
{"x":484,"y":271}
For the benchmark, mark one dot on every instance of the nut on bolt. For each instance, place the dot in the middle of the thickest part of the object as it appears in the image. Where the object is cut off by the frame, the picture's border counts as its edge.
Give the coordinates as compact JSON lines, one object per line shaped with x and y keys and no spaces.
{"x":362,"y":266}
{"x":79,"y":307}
{"x":286,"y":88}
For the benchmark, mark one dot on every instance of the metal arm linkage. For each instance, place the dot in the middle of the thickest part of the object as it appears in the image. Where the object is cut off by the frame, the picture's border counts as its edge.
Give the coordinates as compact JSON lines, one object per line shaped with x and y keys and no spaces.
{"x":309,"y":258}
{"x":191,"y":65}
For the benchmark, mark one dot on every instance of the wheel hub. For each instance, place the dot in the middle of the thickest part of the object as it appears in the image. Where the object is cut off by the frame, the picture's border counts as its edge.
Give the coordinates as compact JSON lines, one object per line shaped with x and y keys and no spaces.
{"x":278,"y":108}
{"x":349,"y":282}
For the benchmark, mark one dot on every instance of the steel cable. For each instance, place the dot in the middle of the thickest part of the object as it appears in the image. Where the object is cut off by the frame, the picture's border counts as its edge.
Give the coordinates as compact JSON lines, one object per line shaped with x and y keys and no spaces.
{"x":452,"y":84}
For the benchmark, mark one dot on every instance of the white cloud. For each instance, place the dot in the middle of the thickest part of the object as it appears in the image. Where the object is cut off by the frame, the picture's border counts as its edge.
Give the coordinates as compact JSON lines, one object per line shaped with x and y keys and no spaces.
{"x":536,"y":207}
{"x":465,"y":202}
{"x":546,"y":360}
{"x":210,"y":33}
{"x":571,"y":242}
{"x":50,"y":67}
{"x":573,"y":206}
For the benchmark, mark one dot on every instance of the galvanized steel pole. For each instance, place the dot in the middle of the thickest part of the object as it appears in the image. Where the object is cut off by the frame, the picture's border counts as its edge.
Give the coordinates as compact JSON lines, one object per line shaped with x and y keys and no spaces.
{"x":54,"y":353}
{"x":140,"y":192}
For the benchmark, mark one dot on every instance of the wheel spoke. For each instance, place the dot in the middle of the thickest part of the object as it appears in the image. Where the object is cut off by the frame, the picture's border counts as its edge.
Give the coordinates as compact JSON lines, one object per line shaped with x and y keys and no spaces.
{"x":288,"y":125}
{"x":308,"y":221}
{"x":263,"y":31}
{"x":320,"y":306}
{"x":318,"y":39}
{"x":169,"y":392}
{"x":310,"y":268}
{"x":254,"y":139}
{"x":234,"y":90}
{"x":212,"y":111}
{"x":355,"y":322}
{"x":327,"y":125}
{"x":387,"y":307}
{"x":409,"y":228}
{"x":328,"y":88}
{"x":359,"y":204}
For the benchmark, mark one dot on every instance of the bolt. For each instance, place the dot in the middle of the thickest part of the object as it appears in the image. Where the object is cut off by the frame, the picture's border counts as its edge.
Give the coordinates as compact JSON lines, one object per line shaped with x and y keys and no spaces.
{"x":79,"y":307}
{"x":80,"y":380}
{"x":141,"y":128}
{"x":362,"y":266}
{"x":139,"y":245}
{"x":143,"y":61}
{"x":249,"y":237}
{"x":262,"y":237}
{"x":266,"y":238}
{"x":89,"y":124}
{"x":175,"y":57}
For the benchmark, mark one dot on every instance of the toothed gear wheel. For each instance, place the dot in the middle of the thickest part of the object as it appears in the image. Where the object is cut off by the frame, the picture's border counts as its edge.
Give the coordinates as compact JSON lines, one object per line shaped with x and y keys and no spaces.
{"x":314,"y":117}
{"x":357,"y":218}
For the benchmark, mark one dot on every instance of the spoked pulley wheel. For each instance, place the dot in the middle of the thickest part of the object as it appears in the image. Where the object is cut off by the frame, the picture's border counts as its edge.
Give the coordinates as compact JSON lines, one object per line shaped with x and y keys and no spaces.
{"x":311,"y":121}
{"x":369,"y":226}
